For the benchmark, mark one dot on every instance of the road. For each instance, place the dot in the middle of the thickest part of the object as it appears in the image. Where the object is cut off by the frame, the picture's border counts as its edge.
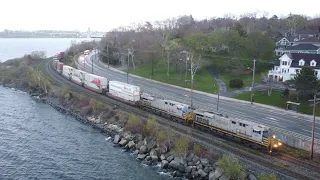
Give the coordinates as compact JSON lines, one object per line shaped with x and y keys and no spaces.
{"x":270,"y":116}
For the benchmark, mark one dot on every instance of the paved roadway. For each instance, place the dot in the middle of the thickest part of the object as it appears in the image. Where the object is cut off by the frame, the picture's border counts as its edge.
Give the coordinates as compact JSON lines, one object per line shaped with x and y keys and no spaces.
{"x":273,"y":117}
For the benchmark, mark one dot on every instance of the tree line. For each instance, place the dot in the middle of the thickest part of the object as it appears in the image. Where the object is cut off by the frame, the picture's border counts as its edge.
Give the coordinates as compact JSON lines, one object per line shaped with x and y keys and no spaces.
{"x":247,"y":36}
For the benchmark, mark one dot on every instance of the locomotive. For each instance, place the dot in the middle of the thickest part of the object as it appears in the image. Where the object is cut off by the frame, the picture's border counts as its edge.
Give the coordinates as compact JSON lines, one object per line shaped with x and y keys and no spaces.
{"x":247,"y":131}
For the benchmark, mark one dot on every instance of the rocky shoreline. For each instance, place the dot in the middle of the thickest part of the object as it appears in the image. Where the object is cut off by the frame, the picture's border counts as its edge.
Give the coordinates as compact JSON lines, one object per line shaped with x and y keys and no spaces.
{"x":149,"y":152}
{"x":145,"y":149}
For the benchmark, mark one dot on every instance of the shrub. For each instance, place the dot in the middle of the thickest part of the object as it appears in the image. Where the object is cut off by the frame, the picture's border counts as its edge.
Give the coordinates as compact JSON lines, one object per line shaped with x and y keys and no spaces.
{"x":162,"y":136}
{"x":268,"y":177}
{"x":236,"y":83}
{"x":285,"y":93}
{"x":232,"y":167}
{"x":134,"y":124}
{"x":181,"y":145}
{"x":196,"y":149}
{"x":151,"y":127}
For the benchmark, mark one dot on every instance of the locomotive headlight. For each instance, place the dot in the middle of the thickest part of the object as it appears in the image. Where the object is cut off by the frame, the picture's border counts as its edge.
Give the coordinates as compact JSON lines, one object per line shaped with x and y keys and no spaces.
{"x":274,"y":136}
{"x":279,"y":143}
{"x":275,"y":145}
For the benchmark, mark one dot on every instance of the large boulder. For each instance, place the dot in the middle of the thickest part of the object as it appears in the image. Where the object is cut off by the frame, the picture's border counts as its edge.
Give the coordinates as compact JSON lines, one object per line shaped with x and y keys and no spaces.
{"x":143,"y":149}
{"x":163,"y":149}
{"x":207,"y":169}
{"x":123,"y":142}
{"x":188,"y":169}
{"x":174,"y":164}
{"x":202,"y":173}
{"x":136,"y":152}
{"x":131,"y":144}
{"x":180,"y":160}
{"x":154,"y":158}
{"x":204,"y":161}
{"x":152,"y":144}
{"x":190,"y":156}
{"x":139,"y":144}
{"x":218,"y":173}
{"x":199,"y":166}
{"x":170,"y":158}
{"x":153,"y":152}
{"x":162,"y":157}
{"x":211,"y":175}
{"x":252,"y":177}
{"x":224,"y":177}
{"x":164,"y":164}
{"x":195,"y":159}
{"x":141,"y":156}
{"x":116,"y":139}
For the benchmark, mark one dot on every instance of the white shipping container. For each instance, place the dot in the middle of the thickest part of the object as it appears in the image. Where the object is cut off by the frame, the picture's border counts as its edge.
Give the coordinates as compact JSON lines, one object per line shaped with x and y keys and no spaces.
{"x":67,"y":71}
{"x":125,"y":91}
{"x":94,"y":82}
{"x":78,"y":76}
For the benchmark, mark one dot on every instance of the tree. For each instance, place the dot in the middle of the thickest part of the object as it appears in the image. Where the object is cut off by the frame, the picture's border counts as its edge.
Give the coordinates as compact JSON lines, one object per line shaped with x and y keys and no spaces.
{"x":150,"y":128}
{"x":232,"y":167}
{"x":259,"y":45}
{"x":306,"y":82}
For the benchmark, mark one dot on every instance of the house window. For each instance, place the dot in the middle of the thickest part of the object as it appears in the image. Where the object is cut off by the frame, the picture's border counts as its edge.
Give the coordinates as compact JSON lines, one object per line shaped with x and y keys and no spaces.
{"x":316,"y":73}
{"x":301,"y":63}
{"x":297,"y":70}
{"x":284,"y":63}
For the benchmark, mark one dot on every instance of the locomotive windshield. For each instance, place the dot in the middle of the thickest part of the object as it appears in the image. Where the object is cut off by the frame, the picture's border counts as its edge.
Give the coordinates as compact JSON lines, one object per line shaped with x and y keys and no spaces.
{"x":265,"y":134}
{"x":185,"y":109}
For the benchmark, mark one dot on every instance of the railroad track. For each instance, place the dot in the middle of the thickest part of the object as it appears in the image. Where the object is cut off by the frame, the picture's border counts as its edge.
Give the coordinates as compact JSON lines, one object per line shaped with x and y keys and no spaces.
{"x":258,"y":159}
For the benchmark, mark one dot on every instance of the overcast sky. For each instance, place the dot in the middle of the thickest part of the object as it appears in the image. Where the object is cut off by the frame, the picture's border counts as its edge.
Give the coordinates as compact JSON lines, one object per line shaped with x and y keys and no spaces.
{"x":103,"y":15}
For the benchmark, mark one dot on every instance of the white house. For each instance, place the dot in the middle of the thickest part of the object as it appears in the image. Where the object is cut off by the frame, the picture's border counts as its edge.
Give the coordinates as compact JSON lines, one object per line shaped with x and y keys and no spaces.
{"x":291,"y":63}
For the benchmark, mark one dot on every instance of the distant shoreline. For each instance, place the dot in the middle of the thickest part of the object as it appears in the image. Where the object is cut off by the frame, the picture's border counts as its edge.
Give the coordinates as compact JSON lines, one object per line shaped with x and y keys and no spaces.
{"x":44,"y":37}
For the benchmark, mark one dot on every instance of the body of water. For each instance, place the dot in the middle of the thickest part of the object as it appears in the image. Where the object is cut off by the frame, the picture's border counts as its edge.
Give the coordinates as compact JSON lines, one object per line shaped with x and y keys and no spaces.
{"x":38,"y":142}
{"x":17,"y":47}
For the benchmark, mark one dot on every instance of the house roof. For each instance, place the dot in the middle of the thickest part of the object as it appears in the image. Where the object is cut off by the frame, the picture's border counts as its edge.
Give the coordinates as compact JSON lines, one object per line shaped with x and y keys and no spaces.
{"x":308,"y":31}
{"x":283,"y":31}
{"x":296,"y":57}
{"x":310,"y":39}
{"x":303,"y":47}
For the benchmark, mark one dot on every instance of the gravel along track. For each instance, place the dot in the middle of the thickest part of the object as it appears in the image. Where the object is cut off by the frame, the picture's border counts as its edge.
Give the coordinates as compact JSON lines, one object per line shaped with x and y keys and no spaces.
{"x":256,"y":161}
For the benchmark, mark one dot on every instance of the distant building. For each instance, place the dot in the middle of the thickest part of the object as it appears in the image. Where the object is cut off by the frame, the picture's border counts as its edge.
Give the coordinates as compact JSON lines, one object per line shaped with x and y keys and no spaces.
{"x":290,"y":64}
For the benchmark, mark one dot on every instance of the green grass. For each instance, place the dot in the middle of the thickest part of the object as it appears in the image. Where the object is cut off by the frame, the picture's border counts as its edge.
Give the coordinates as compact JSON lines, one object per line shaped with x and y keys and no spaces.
{"x":276,"y":99}
{"x":203,"y":81}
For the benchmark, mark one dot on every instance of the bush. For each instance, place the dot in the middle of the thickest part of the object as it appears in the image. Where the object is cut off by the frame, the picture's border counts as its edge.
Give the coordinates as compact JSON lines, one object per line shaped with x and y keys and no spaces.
{"x":181,"y":145}
{"x":285,"y":93}
{"x":151,"y":127}
{"x":134,"y":124}
{"x":232,"y":167}
{"x":196,"y":149}
{"x":268,"y":177}
{"x":162,"y":136}
{"x":236,"y":83}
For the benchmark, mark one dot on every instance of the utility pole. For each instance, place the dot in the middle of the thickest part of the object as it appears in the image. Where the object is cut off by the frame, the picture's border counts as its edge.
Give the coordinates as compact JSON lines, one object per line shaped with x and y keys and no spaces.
{"x":254,"y":69}
{"x":314,"y":122}
{"x":152,"y":63}
{"x":218,"y":99}
{"x":95,"y":54}
{"x":108,"y":54}
{"x":128,"y":66}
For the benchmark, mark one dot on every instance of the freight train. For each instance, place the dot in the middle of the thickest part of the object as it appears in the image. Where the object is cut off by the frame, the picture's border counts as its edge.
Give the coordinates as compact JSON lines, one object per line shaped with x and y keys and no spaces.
{"x":246,"y":131}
